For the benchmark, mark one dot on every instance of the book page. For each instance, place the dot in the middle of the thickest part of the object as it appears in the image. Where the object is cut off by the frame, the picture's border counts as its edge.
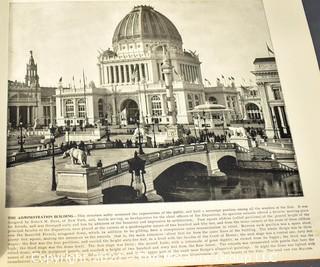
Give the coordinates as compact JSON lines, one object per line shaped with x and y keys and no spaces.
{"x":159,"y":133}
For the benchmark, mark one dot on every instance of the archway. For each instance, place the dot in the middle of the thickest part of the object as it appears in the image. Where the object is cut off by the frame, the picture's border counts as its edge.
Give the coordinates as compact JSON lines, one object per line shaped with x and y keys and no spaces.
{"x":253,"y":111}
{"x":227,"y":163}
{"x":129,"y":108}
{"x":182,"y":182}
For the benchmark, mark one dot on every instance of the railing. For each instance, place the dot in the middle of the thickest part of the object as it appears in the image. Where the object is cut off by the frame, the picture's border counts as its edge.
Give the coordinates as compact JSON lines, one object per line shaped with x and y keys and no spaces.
{"x":286,"y":168}
{"x":242,"y":149}
{"x":162,"y":154}
{"x":123,"y":166}
{"x":26,"y":156}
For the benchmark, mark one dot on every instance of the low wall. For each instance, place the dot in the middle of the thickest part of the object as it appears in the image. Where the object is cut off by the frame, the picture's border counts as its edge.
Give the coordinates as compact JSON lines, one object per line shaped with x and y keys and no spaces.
{"x":86,"y":135}
{"x":258,"y":164}
{"x":264,"y":165}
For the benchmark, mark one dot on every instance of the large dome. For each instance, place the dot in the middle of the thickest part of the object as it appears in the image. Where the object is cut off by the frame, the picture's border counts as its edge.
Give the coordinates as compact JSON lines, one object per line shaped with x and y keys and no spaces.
{"x":143,"y":22}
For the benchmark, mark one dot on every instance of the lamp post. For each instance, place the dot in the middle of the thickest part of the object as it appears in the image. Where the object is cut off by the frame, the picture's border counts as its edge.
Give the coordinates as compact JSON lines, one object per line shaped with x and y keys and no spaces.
{"x":107,"y":129}
{"x":67,"y":132}
{"x":21,"y":139}
{"x":52,"y":139}
{"x":137,"y":121}
{"x":137,"y":170}
{"x":223,"y":130}
{"x":205,"y":125}
{"x":154,"y":120}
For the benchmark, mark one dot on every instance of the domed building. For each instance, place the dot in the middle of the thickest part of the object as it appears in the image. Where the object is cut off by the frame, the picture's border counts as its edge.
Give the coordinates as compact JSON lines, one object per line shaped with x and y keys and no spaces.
{"x":133,"y":77}
{"x":132,"y":72}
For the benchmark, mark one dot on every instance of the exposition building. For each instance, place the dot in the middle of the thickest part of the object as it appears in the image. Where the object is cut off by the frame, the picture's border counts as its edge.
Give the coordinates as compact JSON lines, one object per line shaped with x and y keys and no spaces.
{"x":132,"y":81}
{"x":28,"y":102}
{"x":131,"y":77}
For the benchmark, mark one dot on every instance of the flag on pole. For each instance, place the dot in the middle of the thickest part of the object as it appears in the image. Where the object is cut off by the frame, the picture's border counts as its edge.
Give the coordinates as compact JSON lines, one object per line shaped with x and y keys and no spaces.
{"x":222,"y":76}
{"x":84,"y":80}
{"x":269,"y":50}
{"x":207,"y":81}
{"x":60,"y":80}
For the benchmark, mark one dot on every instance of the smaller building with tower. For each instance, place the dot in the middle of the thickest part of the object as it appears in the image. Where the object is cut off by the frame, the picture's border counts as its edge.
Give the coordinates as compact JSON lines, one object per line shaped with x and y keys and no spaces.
{"x":28,"y":102}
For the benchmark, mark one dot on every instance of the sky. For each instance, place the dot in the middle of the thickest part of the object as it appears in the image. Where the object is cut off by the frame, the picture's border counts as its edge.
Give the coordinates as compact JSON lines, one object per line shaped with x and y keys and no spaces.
{"x":312,"y":10}
{"x":65,"y":36}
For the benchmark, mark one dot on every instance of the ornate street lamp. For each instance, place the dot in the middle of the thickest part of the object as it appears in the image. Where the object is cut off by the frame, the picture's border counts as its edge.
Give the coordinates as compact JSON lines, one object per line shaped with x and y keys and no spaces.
{"x":137,"y":170}
{"x":52,"y":139}
{"x":21,"y":139}
{"x":205,"y":125}
{"x":67,"y":130}
{"x":154,"y":121}
{"x":107,"y":128}
{"x":137,"y":121}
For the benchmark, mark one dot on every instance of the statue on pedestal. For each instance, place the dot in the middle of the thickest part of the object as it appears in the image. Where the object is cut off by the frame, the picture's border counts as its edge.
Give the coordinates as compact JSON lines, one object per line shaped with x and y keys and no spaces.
{"x":77,"y":156}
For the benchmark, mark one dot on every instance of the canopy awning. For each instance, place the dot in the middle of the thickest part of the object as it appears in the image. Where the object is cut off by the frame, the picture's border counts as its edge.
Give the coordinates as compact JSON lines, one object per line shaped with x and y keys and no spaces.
{"x":208,"y":107}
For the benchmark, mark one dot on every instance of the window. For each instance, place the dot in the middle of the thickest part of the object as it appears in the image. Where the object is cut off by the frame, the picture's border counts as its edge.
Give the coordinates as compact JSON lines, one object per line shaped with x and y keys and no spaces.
{"x":69,"y":108}
{"x":196,"y":100}
{"x":276,"y":93}
{"x":213,"y":100}
{"x":233,"y":100}
{"x":228,"y":102}
{"x":100,"y":108}
{"x":253,"y":111}
{"x":156,"y":106}
{"x":190,"y":101}
{"x":82,"y":108}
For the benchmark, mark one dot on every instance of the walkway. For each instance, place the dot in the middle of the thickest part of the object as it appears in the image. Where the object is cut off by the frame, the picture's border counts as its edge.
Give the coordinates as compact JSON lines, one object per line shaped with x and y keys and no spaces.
{"x":30,"y":183}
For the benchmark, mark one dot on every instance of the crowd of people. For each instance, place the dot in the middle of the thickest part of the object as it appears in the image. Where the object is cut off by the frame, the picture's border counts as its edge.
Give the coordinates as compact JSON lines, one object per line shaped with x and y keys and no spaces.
{"x":73,"y":144}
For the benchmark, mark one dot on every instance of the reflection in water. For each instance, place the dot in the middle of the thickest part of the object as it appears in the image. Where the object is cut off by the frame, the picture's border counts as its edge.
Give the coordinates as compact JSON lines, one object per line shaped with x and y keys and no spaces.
{"x":239,"y":185}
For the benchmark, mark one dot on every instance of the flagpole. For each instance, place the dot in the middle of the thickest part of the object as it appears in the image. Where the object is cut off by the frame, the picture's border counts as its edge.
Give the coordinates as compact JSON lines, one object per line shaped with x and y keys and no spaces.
{"x":85,"y":100}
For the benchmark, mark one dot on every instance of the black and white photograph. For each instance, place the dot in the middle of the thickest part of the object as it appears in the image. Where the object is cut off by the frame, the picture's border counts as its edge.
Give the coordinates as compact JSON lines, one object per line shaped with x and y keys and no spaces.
{"x":135,"y":102}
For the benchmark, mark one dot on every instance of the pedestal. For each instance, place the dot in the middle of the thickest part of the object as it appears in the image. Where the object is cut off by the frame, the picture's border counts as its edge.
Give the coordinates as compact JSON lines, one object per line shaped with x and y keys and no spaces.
{"x":241,"y":141}
{"x":80,"y":184}
{"x":21,"y":156}
{"x":218,"y":175}
{"x":174,"y":132}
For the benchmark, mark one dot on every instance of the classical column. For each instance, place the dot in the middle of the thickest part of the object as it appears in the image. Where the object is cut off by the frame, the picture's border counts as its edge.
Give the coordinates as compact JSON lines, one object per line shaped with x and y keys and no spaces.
{"x":130,"y":72}
{"x":187,"y":73}
{"x":193,"y":73}
{"x":114,"y":110}
{"x":51,"y":111}
{"x":146,"y":70}
{"x":125,"y":73}
{"x":109,"y":74}
{"x":100,"y":74}
{"x":105,"y":70}
{"x":28,"y":114}
{"x":114,"y":74}
{"x":103,"y":75}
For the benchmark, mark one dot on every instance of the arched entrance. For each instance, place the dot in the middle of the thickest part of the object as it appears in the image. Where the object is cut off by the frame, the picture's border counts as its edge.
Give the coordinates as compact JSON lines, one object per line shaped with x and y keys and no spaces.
{"x":253,"y":111}
{"x":184,"y":181}
{"x":129,"y":108}
{"x":227,"y":163}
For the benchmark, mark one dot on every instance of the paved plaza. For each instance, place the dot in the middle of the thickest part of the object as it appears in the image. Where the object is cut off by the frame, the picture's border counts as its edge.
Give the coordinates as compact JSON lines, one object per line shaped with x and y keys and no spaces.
{"x":30,"y":183}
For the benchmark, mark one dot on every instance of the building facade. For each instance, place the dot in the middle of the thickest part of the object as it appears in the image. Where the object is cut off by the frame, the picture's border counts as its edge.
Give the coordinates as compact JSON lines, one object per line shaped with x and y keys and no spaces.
{"x":28,"y":102}
{"x":273,"y":106}
{"x":250,"y":102}
{"x":81,"y":106}
{"x":131,"y":78}
{"x":226,"y":95}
